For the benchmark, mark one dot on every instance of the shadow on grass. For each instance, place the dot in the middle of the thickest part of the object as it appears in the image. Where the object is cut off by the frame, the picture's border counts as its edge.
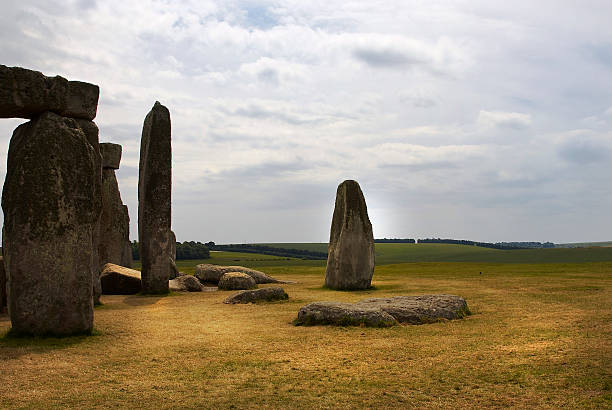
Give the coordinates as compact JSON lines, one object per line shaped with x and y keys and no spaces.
{"x":144,"y":299}
{"x":20,"y":345}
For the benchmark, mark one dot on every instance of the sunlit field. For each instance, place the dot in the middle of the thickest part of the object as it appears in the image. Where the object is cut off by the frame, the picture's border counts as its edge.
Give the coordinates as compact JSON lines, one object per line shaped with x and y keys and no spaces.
{"x":540,"y":334}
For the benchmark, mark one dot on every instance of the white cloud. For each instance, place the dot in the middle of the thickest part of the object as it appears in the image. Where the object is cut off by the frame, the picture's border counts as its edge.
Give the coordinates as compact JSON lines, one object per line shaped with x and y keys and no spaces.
{"x":425,"y":104}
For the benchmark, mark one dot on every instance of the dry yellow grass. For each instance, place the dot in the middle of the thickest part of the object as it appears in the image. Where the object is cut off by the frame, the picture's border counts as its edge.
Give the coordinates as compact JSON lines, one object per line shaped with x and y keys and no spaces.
{"x":539,"y":336}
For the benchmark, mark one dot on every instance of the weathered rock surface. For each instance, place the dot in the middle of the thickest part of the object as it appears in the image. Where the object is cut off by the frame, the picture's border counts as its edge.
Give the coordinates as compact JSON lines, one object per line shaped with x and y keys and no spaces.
{"x":343,"y":314}
{"x":185,"y":283}
{"x":50,"y":212}
{"x":350,"y":261}
{"x":27,"y":94}
{"x":3,"y":295}
{"x":111,"y":155}
{"x":236,"y":281}
{"x":119,"y":280}
{"x":154,"y":200}
{"x":114,"y":224}
{"x":90,"y":129}
{"x":208,"y":273}
{"x":258,"y":295}
{"x":414,"y":310}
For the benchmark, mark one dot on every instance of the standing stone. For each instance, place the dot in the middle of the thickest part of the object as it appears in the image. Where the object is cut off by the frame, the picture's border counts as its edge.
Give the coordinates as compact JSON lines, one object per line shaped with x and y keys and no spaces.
{"x":350,"y":261}
{"x":49,"y":213}
{"x":154,"y":191}
{"x":114,"y":221}
{"x":3,"y":296}
{"x":91,"y":131}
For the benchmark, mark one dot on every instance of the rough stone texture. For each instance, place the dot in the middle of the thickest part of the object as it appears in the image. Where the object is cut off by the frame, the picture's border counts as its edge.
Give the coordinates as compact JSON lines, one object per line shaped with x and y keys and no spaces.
{"x":111,"y":155}
{"x":27,"y":94}
{"x":236,"y":281}
{"x":350,"y":261}
{"x":90,"y":129}
{"x":258,"y":295}
{"x":343,"y":314}
{"x":154,"y":200}
{"x":114,"y":224}
{"x":173,"y":245}
{"x":414,"y":310}
{"x":49,"y":214}
{"x":208,"y":273}
{"x":3,"y":295}
{"x":119,"y":280}
{"x":185,"y":283}
{"x":417,"y":310}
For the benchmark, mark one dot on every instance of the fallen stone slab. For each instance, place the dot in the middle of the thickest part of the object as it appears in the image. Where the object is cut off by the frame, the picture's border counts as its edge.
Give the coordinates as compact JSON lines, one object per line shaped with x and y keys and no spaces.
{"x":119,"y":280}
{"x":414,"y":310}
{"x":342,"y":314}
{"x":236,"y":281}
{"x":208,"y":273}
{"x":27,"y":94}
{"x":185,"y":283}
{"x":257,"y":295}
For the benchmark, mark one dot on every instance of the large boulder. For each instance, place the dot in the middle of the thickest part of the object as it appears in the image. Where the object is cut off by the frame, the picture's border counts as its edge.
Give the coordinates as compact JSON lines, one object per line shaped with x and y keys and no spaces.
{"x":50,"y":211}
{"x":154,"y":200}
{"x":185,"y":283}
{"x":236,"y":281}
{"x":342,"y":314}
{"x":119,"y":280}
{"x":208,"y":273}
{"x":3,"y":295}
{"x":350,"y":261}
{"x":416,"y":310}
{"x":27,"y":94}
{"x":258,"y":295}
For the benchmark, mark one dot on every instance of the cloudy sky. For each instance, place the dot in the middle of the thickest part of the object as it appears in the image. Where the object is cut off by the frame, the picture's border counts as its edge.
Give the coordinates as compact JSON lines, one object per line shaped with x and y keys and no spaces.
{"x":484,"y":120}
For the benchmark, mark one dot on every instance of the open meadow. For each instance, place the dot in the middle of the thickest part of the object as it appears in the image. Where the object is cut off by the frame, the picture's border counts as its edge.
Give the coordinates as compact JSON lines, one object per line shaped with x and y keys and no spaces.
{"x":540,"y":335}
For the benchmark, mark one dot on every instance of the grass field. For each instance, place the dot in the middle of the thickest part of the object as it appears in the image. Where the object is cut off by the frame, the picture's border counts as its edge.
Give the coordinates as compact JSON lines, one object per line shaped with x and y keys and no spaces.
{"x":387,"y":253}
{"x":540,"y":336}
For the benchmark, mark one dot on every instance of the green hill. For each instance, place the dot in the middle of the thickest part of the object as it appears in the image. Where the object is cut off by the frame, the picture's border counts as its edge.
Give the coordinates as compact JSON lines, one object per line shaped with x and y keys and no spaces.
{"x":389,"y":253}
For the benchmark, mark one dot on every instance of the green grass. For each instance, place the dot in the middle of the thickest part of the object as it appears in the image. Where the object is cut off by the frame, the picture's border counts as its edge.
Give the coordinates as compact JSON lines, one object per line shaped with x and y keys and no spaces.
{"x":387,"y":253}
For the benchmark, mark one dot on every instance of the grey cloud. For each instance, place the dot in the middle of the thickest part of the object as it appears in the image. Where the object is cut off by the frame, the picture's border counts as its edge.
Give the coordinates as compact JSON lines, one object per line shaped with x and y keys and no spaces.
{"x":583,"y":151}
{"x":260,"y":112}
{"x":269,"y":75}
{"x":384,"y":57}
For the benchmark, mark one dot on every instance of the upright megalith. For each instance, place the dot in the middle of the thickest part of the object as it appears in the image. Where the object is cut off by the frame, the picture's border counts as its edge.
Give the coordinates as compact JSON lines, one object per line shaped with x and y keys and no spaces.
{"x":350,"y":261}
{"x":3,"y":296}
{"x":50,"y":210}
{"x":154,"y":192}
{"x":114,"y":220}
{"x":91,"y":131}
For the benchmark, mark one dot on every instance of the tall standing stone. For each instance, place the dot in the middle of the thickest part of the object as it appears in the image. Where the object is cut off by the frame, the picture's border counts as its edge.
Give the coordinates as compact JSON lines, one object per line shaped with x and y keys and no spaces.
{"x":3,"y":296}
{"x":350,"y":261}
{"x":50,"y":209}
{"x":114,"y":221}
{"x":91,"y":131}
{"x":154,"y":192}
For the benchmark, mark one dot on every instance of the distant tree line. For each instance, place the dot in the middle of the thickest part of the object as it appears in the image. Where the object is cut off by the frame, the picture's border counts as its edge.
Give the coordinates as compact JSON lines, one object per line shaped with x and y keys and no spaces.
{"x":268,"y":250}
{"x":394,"y":240}
{"x":497,"y":245}
{"x":184,"y":250}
